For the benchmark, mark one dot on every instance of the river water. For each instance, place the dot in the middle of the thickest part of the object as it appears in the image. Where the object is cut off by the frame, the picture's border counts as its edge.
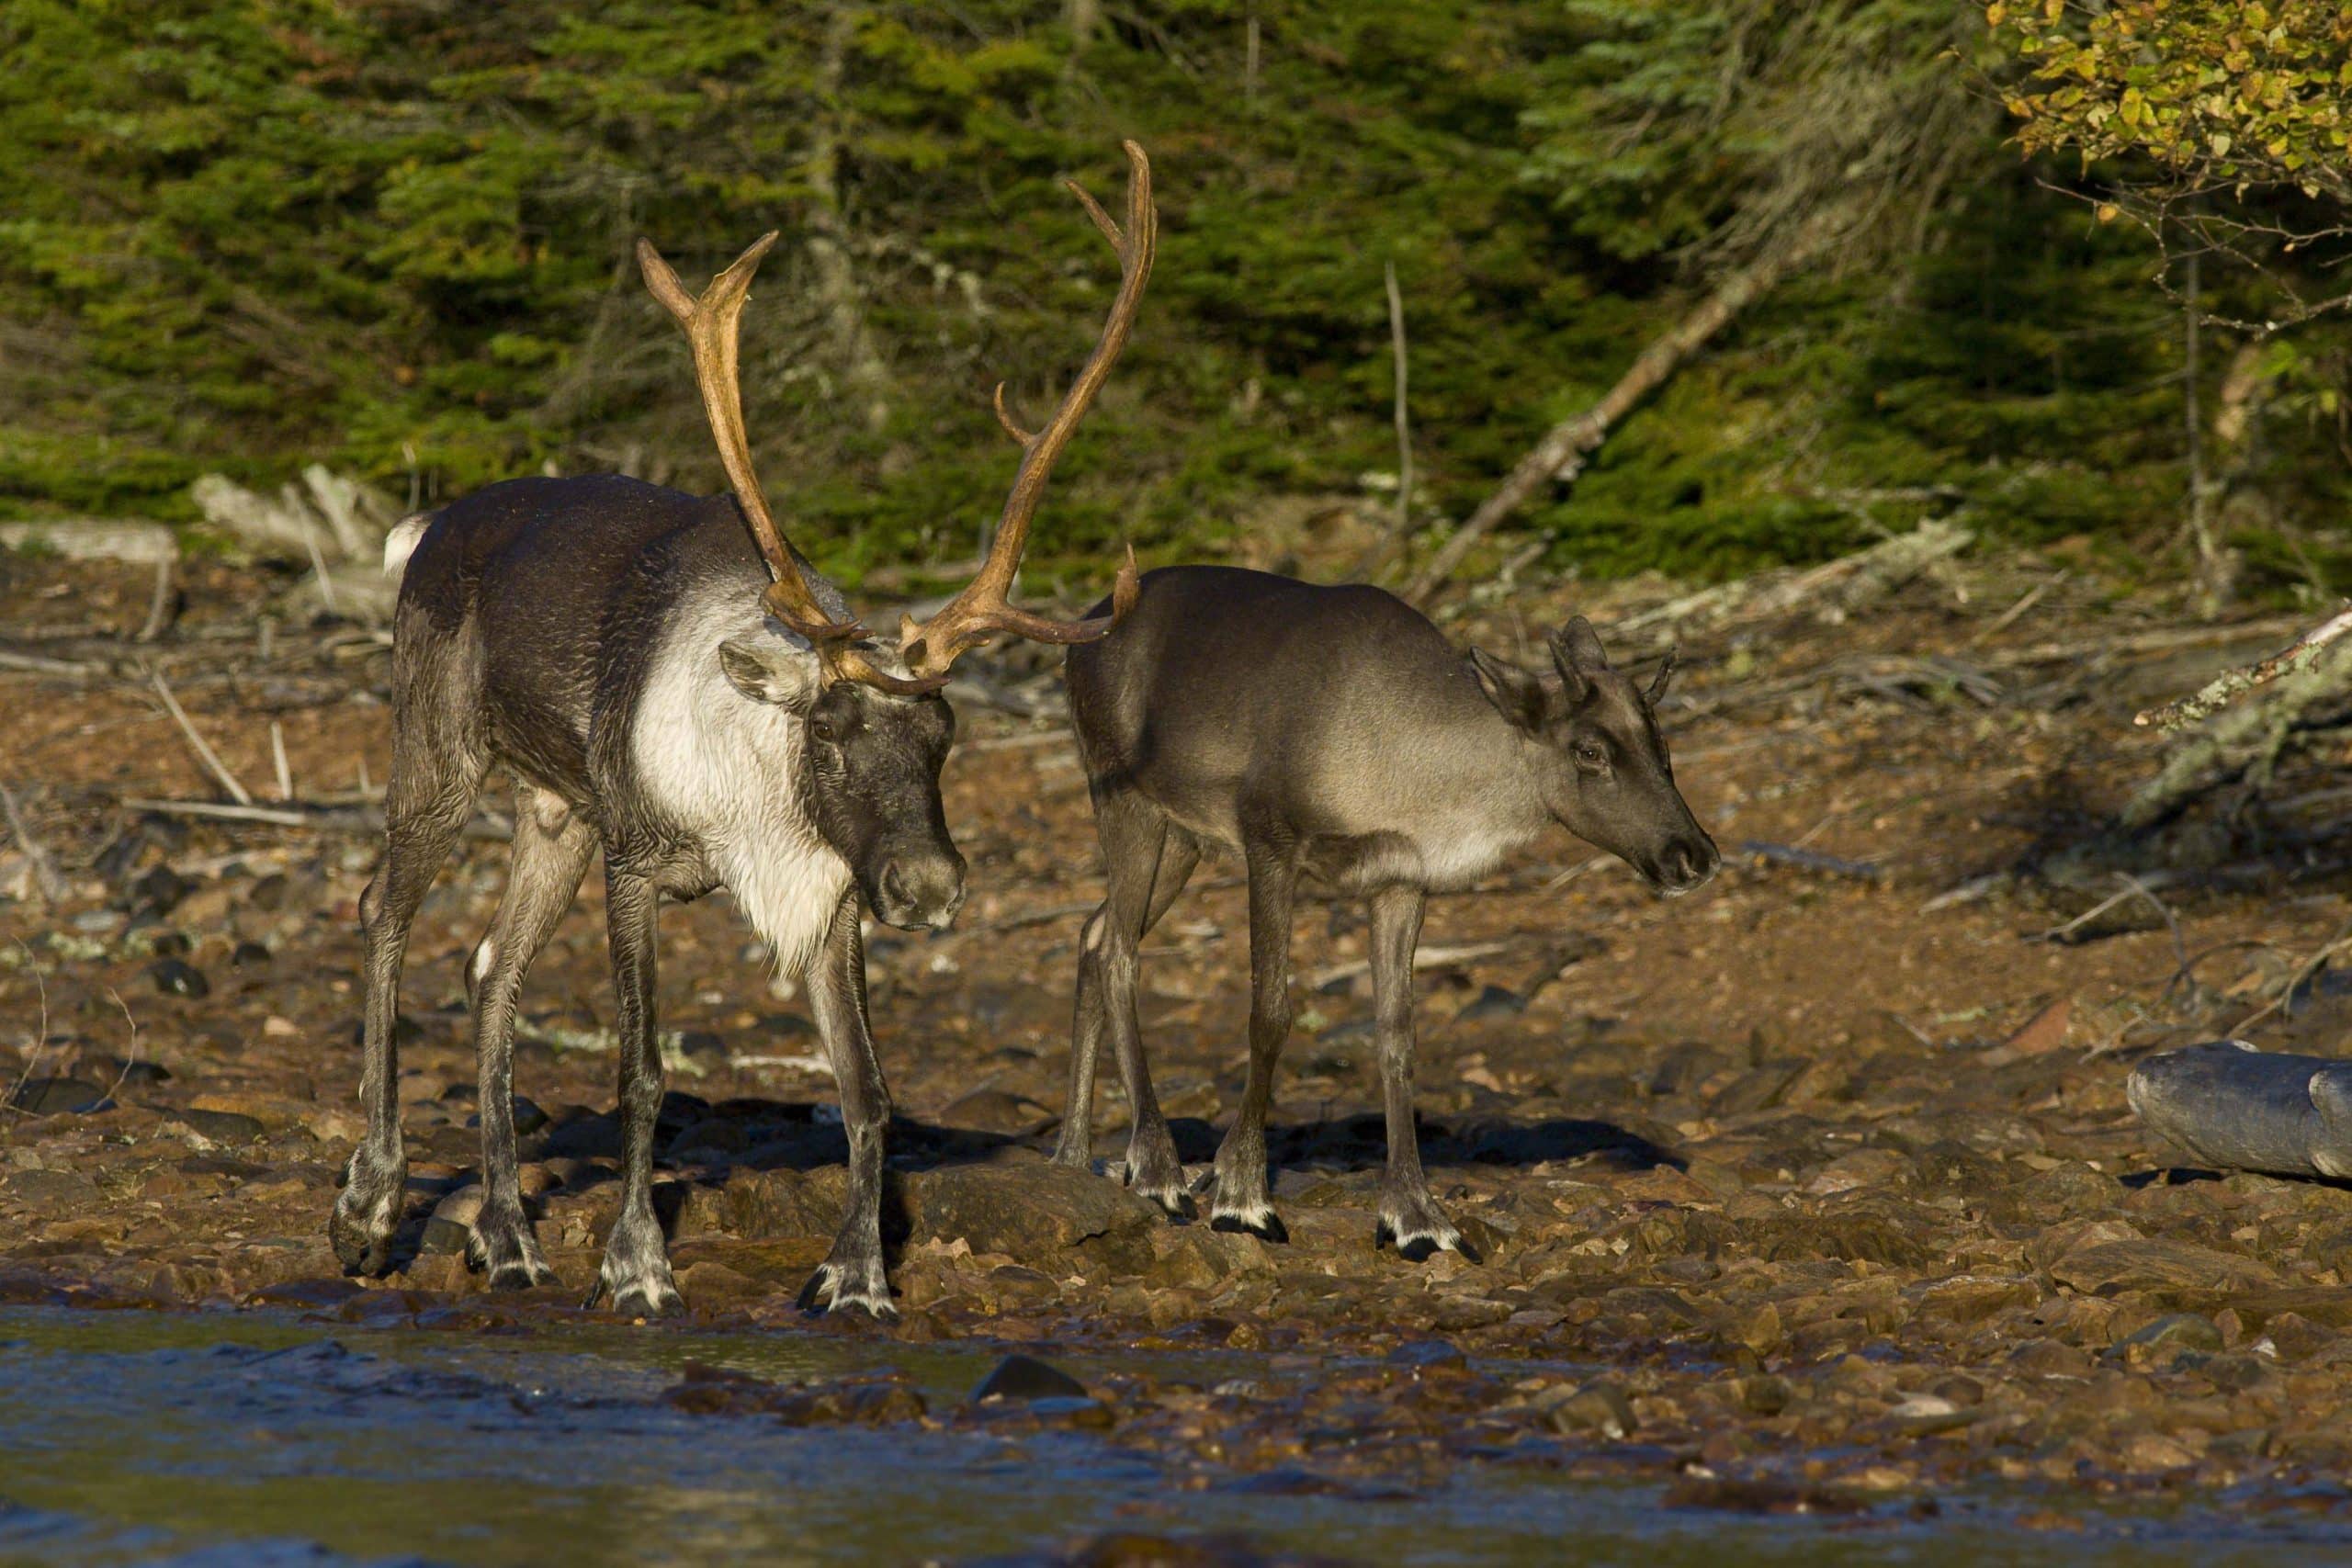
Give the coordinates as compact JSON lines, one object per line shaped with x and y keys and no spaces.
{"x":255,"y":1438}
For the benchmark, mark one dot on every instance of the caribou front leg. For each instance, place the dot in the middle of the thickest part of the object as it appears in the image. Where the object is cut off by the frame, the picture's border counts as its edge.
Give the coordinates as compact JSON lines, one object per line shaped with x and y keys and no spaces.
{"x":635,"y":1277}
{"x":1410,"y":1220}
{"x":853,"y":1275}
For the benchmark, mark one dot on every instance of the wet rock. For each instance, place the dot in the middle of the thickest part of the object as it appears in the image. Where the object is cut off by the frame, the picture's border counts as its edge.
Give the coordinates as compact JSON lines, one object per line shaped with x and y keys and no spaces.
{"x":1766,"y":1394}
{"x":177,"y":978}
{"x":2107,"y":1267}
{"x":52,"y":1097}
{"x":1597,"y":1406}
{"x":1025,"y":1377}
{"x":324,"y":1291}
{"x":1925,"y":1415}
{"x":248,"y":955}
{"x":2176,"y":1331}
{"x":1968,"y":1299}
{"x":1429,"y":1355}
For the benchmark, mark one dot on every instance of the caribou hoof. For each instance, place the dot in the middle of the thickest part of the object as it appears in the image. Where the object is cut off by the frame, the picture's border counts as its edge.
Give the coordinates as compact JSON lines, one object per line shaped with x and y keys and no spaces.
{"x":366,"y":1216}
{"x":842,"y":1287}
{"x":1261,"y":1222}
{"x":506,"y":1255}
{"x":1420,"y":1239}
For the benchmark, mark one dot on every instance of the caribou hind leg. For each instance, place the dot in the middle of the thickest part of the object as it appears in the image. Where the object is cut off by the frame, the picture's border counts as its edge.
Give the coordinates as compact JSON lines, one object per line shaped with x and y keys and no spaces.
{"x":635,"y":1277}
{"x":1242,"y":1203}
{"x":1148,"y":860}
{"x":553,"y":849}
{"x":1410,"y":1220}
{"x":436,"y":766}
{"x":853,"y":1274}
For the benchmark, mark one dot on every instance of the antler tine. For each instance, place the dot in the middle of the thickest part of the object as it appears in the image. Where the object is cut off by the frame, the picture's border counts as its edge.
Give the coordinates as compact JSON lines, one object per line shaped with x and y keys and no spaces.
{"x":984,"y":609}
{"x":713,"y":329}
{"x":1005,"y":418}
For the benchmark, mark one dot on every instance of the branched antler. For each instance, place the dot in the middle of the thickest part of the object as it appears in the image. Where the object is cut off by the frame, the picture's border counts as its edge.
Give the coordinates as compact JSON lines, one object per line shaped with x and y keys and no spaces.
{"x":985,"y":609}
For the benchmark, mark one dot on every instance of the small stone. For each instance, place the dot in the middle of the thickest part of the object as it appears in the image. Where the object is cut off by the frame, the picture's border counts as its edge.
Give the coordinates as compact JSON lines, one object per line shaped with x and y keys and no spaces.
{"x":1922,"y":1415}
{"x":1960,"y":1388}
{"x":1025,"y":1377}
{"x":1429,"y":1355}
{"x":1766,"y":1394}
{"x":2177,"y":1331}
{"x":248,"y":955}
{"x":175,"y":977}
{"x":158,"y":892}
{"x":452,"y":1224}
{"x":164,"y":943}
{"x":1600,"y":1408}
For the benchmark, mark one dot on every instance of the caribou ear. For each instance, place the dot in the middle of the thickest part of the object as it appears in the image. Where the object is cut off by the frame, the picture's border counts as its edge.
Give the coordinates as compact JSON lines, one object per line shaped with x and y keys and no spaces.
{"x":1518,"y":695}
{"x":1657,"y":694}
{"x":1577,"y":653}
{"x":768,"y":669}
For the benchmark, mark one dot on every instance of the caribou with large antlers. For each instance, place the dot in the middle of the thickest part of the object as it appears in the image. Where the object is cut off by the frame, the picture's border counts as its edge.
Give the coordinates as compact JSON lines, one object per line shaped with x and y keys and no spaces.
{"x":669,"y":681}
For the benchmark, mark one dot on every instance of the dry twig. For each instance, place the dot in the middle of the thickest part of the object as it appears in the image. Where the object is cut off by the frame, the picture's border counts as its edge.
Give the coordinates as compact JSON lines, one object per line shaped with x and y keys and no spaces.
{"x":205,"y":754}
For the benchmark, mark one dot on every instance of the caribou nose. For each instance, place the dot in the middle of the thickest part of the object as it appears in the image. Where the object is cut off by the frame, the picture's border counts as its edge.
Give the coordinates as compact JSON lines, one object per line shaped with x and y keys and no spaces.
{"x":920,"y":893}
{"x":1692,"y":864}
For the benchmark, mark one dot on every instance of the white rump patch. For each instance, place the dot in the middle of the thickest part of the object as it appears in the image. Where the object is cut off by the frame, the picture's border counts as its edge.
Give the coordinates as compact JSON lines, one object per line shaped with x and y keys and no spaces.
{"x":401,"y":541}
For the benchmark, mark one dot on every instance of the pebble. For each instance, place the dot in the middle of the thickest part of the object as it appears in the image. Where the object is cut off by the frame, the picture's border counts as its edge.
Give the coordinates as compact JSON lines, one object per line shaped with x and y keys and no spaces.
{"x":1599,"y":1406}
{"x":175,"y":977}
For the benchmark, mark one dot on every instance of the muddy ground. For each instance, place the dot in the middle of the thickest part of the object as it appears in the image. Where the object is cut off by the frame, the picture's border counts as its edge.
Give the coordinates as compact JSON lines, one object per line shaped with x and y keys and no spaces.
{"x":1815,"y":1189}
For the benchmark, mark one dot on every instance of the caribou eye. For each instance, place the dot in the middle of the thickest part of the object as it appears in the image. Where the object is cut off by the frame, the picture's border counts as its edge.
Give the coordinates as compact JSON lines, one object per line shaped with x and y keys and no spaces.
{"x":823,"y":729}
{"x":1590,"y":757}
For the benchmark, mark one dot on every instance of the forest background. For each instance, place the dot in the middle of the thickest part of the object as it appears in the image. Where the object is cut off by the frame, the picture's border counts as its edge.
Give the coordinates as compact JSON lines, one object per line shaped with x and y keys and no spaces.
{"x":393,"y":236}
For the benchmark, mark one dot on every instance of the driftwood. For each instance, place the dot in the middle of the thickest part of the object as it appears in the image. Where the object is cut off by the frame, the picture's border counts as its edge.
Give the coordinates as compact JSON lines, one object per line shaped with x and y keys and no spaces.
{"x":334,"y":524}
{"x":1835,"y":590}
{"x":93,"y":538}
{"x":2230,"y":1105}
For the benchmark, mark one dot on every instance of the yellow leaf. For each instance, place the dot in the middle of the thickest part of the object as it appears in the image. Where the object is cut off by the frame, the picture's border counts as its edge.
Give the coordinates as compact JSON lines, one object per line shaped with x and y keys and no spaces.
{"x":2109,"y":211}
{"x":1994,"y":13}
{"x":2133,"y":107}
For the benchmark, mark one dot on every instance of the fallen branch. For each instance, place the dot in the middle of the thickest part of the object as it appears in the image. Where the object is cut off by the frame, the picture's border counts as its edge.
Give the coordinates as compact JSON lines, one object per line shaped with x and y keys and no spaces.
{"x":1561,"y":455}
{"x":204,"y":753}
{"x":2223,"y":688}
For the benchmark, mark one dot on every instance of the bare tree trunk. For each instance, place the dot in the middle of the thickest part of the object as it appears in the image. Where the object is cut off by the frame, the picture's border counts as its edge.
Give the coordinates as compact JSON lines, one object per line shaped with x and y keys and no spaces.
{"x":1082,"y":17}
{"x":2215,"y":569}
{"x":842,"y":301}
{"x":1563,"y":452}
